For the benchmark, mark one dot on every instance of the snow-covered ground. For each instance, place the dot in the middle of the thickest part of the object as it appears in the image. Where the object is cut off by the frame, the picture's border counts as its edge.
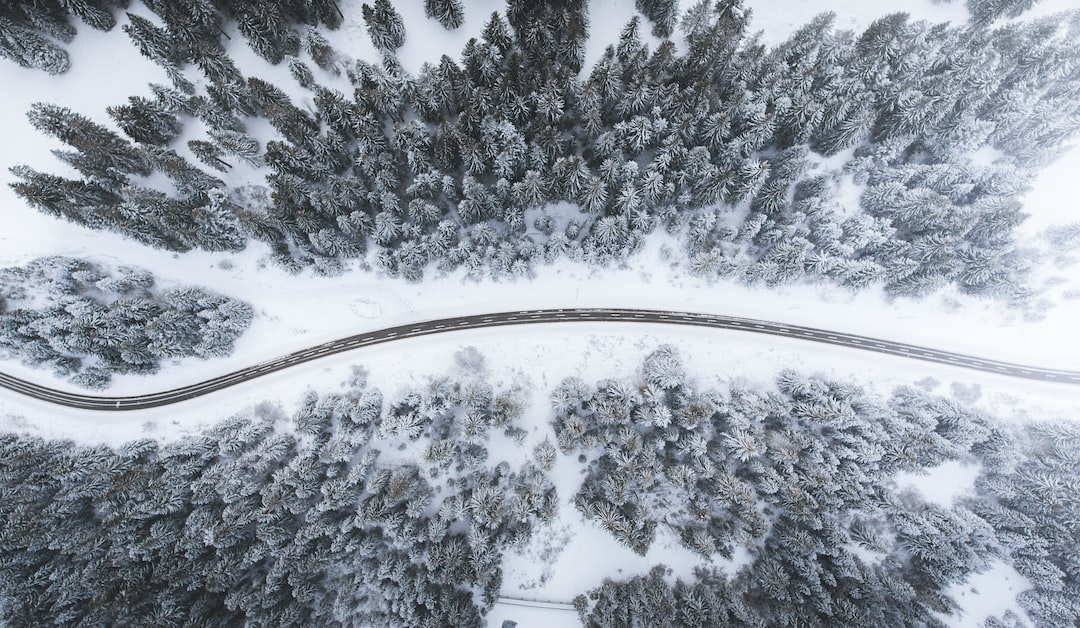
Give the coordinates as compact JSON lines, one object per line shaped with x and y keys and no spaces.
{"x":299,"y":311}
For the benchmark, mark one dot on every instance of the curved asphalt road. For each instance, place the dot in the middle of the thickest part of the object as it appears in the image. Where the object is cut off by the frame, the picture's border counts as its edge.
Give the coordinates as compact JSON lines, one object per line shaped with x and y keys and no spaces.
{"x":524,"y":317}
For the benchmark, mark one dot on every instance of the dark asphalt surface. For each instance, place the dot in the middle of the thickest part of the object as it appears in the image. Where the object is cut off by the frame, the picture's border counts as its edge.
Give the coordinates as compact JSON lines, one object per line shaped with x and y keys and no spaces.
{"x":525,"y":317}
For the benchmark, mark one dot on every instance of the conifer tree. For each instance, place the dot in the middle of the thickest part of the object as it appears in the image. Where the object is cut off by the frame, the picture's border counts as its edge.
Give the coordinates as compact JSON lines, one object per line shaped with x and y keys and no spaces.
{"x":146,"y":121}
{"x":266,"y":30}
{"x":662,"y":13}
{"x":449,"y":13}
{"x":209,"y":153}
{"x":384,"y":25}
{"x":103,"y":150}
{"x":153,"y":42}
{"x":983,"y":12}
{"x":550,"y":34}
{"x":29,"y":30}
{"x":31,"y":50}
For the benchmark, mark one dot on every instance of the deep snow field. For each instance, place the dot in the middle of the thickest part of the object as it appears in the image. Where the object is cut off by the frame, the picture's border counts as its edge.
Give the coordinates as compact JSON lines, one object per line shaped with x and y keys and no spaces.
{"x":297,"y":311}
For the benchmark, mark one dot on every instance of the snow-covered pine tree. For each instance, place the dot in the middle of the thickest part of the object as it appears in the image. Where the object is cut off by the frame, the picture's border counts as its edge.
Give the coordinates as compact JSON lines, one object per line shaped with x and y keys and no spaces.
{"x":146,"y":121}
{"x":983,"y":12}
{"x":266,"y":29}
{"x":28,"y":48}
{"x":29,"y":30}
{"x":384,"y":26}
{"x":210,"y":154}
{"x":662,"y":13}
{"x":102,"y":148}
{"x":550,"y":34}
{"x":154,"y":42}
{"x":449,"y":13}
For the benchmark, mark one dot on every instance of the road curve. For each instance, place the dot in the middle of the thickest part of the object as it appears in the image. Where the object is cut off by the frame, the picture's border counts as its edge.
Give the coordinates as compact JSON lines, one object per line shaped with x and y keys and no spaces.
{"x":526,"y":317}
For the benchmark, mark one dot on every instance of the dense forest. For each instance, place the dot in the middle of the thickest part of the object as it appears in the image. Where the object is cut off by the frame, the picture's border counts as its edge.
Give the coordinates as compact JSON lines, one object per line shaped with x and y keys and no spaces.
{"x":894,"y":157}
{"x":801,"y":477}
{"x":311,"y":520}
{"x":87,"y":322}
{"x":855,"y":158}
{"x":358,"y":511}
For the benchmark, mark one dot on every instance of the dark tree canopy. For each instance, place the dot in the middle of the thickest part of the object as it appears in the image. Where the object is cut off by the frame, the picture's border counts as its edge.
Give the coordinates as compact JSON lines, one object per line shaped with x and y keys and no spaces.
{"x":449,"y":13}
{"x":751,"y":154}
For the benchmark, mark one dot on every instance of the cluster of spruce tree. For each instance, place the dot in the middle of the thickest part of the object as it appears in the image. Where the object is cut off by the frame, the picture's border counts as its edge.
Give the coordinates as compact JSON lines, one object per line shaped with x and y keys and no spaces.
{"x":986,"y":11}
{"x":86,"y":321}
{"x":32,"y":33}
{"x":197,"y":213}
{"x":356,"y":512}
{"x":512,"y":155}
{"x":267,"y":521}
{"x":802,"y":479}
{"x":1030,"y":493}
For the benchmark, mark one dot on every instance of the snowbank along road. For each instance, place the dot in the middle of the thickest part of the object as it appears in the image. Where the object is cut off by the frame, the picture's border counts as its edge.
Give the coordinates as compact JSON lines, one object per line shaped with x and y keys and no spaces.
{"x":525,"y":317}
